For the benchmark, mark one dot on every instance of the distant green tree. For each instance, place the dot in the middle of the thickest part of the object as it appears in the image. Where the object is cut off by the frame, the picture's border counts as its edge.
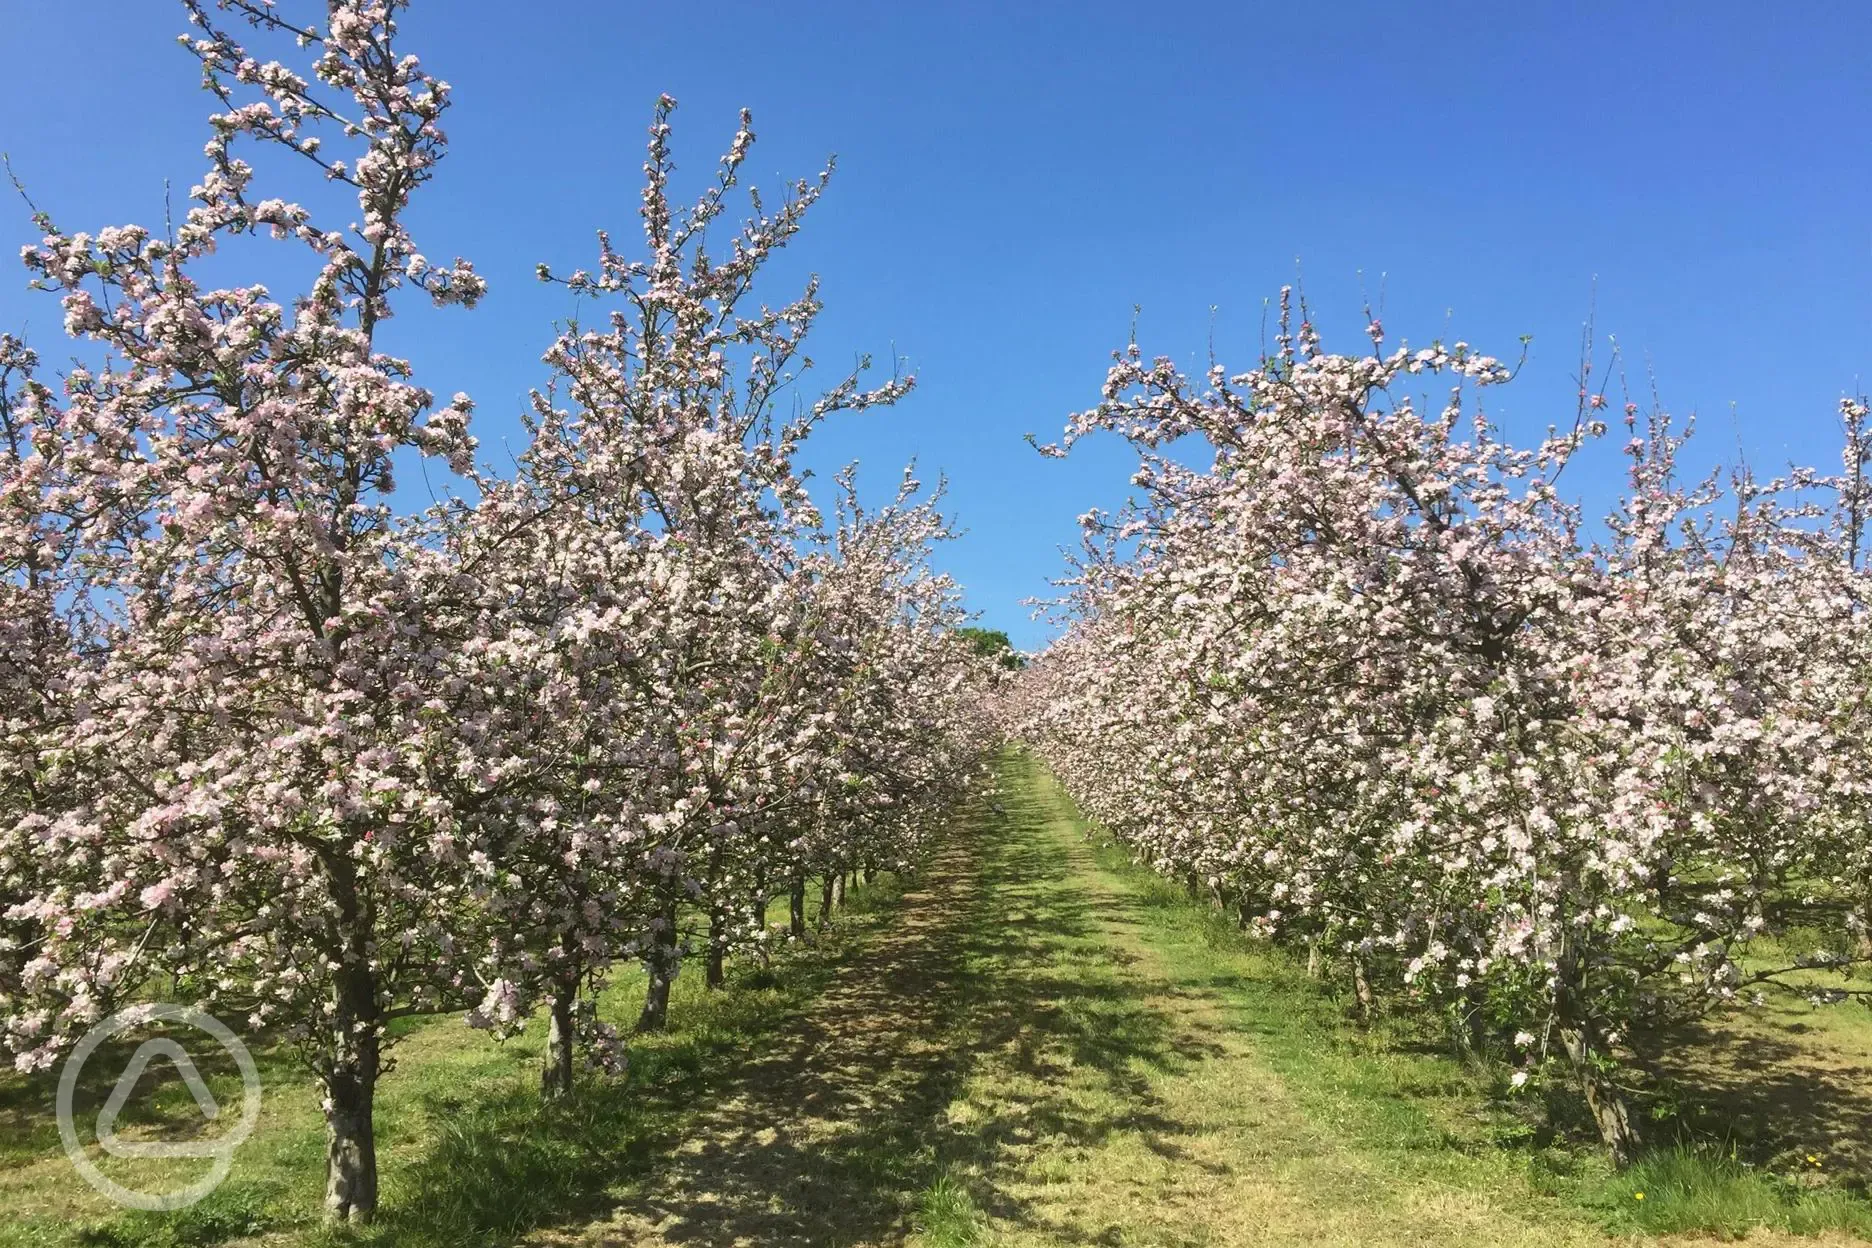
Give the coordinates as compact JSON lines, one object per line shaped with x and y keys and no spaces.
{"x":992,"y":643}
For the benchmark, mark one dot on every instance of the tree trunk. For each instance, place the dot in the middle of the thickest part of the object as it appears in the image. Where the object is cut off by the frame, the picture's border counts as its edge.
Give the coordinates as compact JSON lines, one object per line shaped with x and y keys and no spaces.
{"x":717,"y":948}
{"x":796,"y":908}
{"x":825,"y":901}
{"x":1475,"y":1030}
{"x":661,"y":964}
{"x":1313,"y":959}
{"x":838,"y":890}
{"x":556,"y":1078}
{"x":870,"y":872}
{"x":1579,"y":1037}
{"x":1606,"y":1103}
{"x":1361,"y":989}
{"x":350,"y":1090}
{"x":350,"y":1147}
{"x":760,"y":913}
{"x":350,"y":1077}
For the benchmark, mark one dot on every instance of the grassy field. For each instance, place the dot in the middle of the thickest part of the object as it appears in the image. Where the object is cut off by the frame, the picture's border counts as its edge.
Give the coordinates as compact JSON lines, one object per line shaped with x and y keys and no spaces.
{"x":1033,"y":1043}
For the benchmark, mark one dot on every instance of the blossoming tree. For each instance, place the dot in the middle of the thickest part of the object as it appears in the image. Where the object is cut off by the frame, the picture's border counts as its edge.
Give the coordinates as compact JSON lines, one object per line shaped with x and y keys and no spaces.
{"x":1370,"y":679}
{"x":328,"y":764}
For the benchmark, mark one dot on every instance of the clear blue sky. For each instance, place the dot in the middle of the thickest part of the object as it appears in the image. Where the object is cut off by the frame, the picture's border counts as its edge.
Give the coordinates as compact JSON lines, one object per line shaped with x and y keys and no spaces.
{"x":1013,"y":178}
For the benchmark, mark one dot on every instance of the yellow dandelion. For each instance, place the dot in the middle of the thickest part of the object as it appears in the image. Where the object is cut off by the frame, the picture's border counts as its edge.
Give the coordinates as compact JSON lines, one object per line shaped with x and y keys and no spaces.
{"x":1812,"y":1159}
{"x":1637,"y":1195}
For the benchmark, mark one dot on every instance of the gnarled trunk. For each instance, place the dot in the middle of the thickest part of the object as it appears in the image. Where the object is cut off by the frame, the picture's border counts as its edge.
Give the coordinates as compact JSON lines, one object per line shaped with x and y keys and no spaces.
{"x":1586,"y":1053}
{"x":796,"y":908}
{"x":1604,"y":1101}
{"x":825,"y":900}
{"x":350,"y":1147}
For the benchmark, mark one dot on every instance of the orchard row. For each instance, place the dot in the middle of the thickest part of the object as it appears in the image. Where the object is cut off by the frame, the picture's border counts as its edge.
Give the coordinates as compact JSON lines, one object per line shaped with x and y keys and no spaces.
{"x":315,"y":761}
{"x":1372,"y":682}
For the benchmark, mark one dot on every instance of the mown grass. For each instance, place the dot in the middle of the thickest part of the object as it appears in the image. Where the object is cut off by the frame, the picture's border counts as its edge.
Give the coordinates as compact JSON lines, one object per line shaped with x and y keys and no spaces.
{"x":1146,"y":1076}
{"x":1434,"y":1117}
{"x":469,"y":1154}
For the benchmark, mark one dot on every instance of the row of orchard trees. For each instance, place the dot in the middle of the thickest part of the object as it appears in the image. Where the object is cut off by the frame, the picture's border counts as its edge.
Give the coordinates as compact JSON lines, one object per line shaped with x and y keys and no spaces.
{"x":317,"y":764}
{"x":1371,"y":679}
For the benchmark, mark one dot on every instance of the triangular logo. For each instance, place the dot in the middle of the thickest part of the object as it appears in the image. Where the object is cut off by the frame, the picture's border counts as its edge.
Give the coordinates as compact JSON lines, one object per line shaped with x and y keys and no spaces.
{"x":147,"y":1052}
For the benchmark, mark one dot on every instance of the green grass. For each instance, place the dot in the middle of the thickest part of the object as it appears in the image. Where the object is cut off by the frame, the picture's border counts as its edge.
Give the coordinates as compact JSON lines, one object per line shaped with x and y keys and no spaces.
{"x":1699,"y":1188}
{"x":1433,"y":1118}
{"x":947,"y":1216}
{"x":469,"y":1154}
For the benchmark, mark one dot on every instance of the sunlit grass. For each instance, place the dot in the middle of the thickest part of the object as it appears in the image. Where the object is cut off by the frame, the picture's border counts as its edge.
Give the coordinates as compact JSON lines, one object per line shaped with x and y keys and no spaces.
{"x":1700,"y":1188}
{"x":1440,"y":1118}
{"x":947,"y":1216}
{"x":468,"y":1153}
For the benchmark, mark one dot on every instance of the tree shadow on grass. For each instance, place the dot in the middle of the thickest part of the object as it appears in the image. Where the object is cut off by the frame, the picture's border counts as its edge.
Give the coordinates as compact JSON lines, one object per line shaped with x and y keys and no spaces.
{"x":505,"y":1163}
{"x":1774,"y":1098}
{"x":829,"y":1129}
{"x":160,"y":1105}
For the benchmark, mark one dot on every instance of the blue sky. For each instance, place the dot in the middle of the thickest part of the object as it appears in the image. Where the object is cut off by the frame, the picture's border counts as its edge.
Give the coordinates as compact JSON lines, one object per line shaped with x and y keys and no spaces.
{"x":1013,"y":178}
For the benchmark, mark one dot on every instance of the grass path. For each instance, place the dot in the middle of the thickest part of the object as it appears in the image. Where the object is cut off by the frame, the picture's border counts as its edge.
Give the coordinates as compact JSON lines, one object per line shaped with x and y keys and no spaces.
{"x":817,"y":1136}
{"x":1045,"y":1048}
{"x":1133,"y":1099}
